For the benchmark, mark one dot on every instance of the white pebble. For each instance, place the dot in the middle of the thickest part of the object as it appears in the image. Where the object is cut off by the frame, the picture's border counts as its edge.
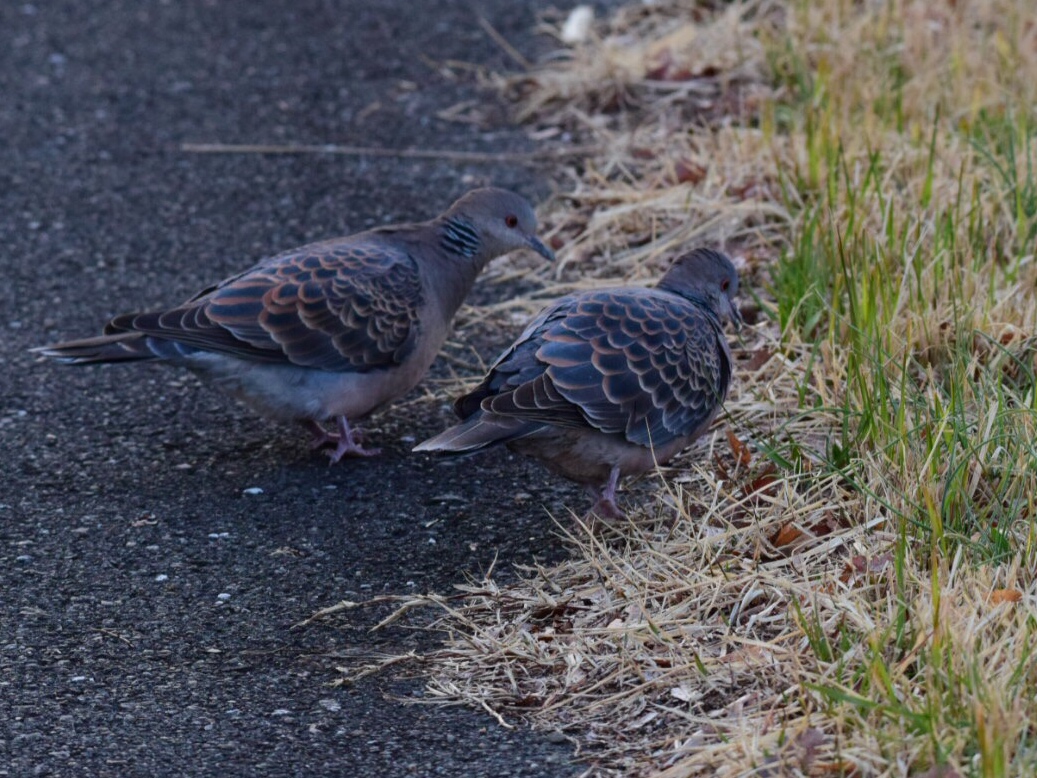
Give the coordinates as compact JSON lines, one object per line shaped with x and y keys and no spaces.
{"x":577,"y":27}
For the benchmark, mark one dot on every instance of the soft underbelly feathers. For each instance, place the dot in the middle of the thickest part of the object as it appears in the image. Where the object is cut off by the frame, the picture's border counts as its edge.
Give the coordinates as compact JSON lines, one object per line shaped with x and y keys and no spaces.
{"x":290,"y":393}
{"x":587,"y":458}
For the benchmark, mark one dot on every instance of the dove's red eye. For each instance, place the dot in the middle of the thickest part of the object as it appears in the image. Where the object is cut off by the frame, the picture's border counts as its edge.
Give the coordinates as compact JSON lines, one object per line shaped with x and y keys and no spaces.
{"x":725,"y":284}
{"x":511,"y":220}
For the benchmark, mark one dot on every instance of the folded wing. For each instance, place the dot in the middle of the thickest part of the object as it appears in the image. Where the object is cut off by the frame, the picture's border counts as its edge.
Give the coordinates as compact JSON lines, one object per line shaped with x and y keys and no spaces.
{"x":643,"y":364}
{"x":333,"y":307}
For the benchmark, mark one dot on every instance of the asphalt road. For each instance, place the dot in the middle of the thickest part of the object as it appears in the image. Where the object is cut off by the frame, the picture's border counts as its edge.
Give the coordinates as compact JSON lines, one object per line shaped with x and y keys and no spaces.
{"x":146,"y":597}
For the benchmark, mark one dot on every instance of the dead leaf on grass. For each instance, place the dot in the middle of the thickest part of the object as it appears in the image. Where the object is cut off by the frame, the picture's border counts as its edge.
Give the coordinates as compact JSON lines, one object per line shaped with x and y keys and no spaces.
{"x":940,"y":771}
{"x":763,"y":481}
{"x":808,"y":742}
{"x":866,"y":567}
{"x":757,"y":360}
{"x":786,"y":536}
{"x":741,"y":451}
{"x":999,"y":596}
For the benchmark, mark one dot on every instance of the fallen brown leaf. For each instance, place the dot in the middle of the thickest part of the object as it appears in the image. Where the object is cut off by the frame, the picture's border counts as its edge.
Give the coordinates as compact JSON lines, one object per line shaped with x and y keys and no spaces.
{"x":766,"y":478}
{"x":741,"y":451}
{"x":808,"y":742}
{"x":759,"y":358}
{"x":940,"y":771}
{"x":785,"y":536}
{"x":999,"y":596}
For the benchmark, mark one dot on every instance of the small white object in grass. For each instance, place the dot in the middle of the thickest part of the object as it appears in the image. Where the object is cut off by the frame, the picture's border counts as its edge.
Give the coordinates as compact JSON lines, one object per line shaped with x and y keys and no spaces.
{"x":252,"y":490}
{"x":577,"y":27}
{"x":161,"y":577}
{"x":409,"y":439}
{"x":684,"y":694}
{"x":223,"y":596}
{"x":432,"y":541}
{"x":281,"y":712}
{"x":218,"y":535}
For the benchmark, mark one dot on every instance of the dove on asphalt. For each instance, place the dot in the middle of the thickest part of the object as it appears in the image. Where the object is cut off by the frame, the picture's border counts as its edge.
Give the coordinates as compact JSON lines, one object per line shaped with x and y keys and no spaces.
{"x":331,"y":330}
{"x":608,"y":383}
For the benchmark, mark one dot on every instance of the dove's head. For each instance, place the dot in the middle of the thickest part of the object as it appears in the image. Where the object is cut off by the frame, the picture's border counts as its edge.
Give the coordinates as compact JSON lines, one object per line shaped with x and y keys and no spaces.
{"x":708,"y":276}
{"x":487,"y":223}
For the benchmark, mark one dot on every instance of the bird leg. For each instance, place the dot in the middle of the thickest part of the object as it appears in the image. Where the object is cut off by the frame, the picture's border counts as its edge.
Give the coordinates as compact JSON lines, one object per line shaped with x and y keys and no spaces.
{"x":321,"y":437}
{"x":347,"y":440}
{"x":605,"y":505}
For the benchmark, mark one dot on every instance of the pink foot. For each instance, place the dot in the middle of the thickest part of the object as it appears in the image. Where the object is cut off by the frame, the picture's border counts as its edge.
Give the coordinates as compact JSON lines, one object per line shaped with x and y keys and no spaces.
{"x":347,"y":441}
{"x":604,"y":509}
{"x":604,"y":506}
{"x":321,"y":437}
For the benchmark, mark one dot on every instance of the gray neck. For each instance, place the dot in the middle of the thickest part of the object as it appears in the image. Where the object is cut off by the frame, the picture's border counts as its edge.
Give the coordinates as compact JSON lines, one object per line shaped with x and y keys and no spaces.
{"x":458,"y":261}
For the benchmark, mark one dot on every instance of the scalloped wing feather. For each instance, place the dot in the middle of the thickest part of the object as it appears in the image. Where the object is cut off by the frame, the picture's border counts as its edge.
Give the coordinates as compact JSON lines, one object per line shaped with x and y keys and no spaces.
{"x":332,"y":306}
{"x":644,"y":364}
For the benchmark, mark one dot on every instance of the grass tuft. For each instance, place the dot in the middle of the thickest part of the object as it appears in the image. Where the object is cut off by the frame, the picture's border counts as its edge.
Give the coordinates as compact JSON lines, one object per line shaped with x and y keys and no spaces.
{"x":846,"y":585}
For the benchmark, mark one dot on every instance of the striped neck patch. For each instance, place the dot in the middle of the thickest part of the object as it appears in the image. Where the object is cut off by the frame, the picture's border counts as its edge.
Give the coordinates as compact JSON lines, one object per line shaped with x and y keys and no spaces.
{"x":460,"y":237}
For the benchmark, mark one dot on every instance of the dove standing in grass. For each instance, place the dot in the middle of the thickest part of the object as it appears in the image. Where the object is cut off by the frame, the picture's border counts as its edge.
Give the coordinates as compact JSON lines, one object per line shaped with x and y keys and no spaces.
{"x":608,"y":383}
{"x":331,"y":330}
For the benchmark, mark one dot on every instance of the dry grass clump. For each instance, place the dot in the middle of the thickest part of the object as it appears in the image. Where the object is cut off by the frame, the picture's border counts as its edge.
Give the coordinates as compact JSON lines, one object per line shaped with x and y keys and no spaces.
{"x":844,"y":584}
{"x":700,"y":648}
{"x":654,"y":57}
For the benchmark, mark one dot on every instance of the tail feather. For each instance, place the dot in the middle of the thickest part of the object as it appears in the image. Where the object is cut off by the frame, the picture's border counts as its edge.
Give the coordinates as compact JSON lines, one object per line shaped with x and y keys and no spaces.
{"x":120,"y":347}
{"x":477,"y":432}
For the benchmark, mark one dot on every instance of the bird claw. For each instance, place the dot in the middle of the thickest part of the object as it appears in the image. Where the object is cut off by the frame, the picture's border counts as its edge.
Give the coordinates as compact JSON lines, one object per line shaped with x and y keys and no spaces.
{"x":605,"y":509}
{"x":604,"y":506}
{"x":351,"y":448}
{"x":347,"y":441}
{"x":328,"y":439}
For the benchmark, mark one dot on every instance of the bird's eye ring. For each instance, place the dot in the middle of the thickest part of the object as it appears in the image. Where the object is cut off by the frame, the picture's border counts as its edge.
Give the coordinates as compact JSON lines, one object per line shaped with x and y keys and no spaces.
{"x":725,"y":284}
{"x":511,"y":220}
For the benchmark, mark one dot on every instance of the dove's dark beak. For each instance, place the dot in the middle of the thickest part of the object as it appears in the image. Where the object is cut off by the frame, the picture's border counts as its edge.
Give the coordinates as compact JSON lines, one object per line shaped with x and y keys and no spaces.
{"x":736,"y":316}
{"x":537,"y":245}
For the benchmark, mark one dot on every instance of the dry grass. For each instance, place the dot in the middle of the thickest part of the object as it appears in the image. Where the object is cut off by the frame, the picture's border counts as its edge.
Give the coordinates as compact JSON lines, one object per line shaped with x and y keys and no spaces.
{"x":845,"y":585}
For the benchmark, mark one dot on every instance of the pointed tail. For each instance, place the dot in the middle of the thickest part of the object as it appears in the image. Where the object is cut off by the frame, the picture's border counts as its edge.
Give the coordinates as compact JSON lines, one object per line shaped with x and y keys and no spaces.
{"x":479,"y":431}
{"x":119,"y":347}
